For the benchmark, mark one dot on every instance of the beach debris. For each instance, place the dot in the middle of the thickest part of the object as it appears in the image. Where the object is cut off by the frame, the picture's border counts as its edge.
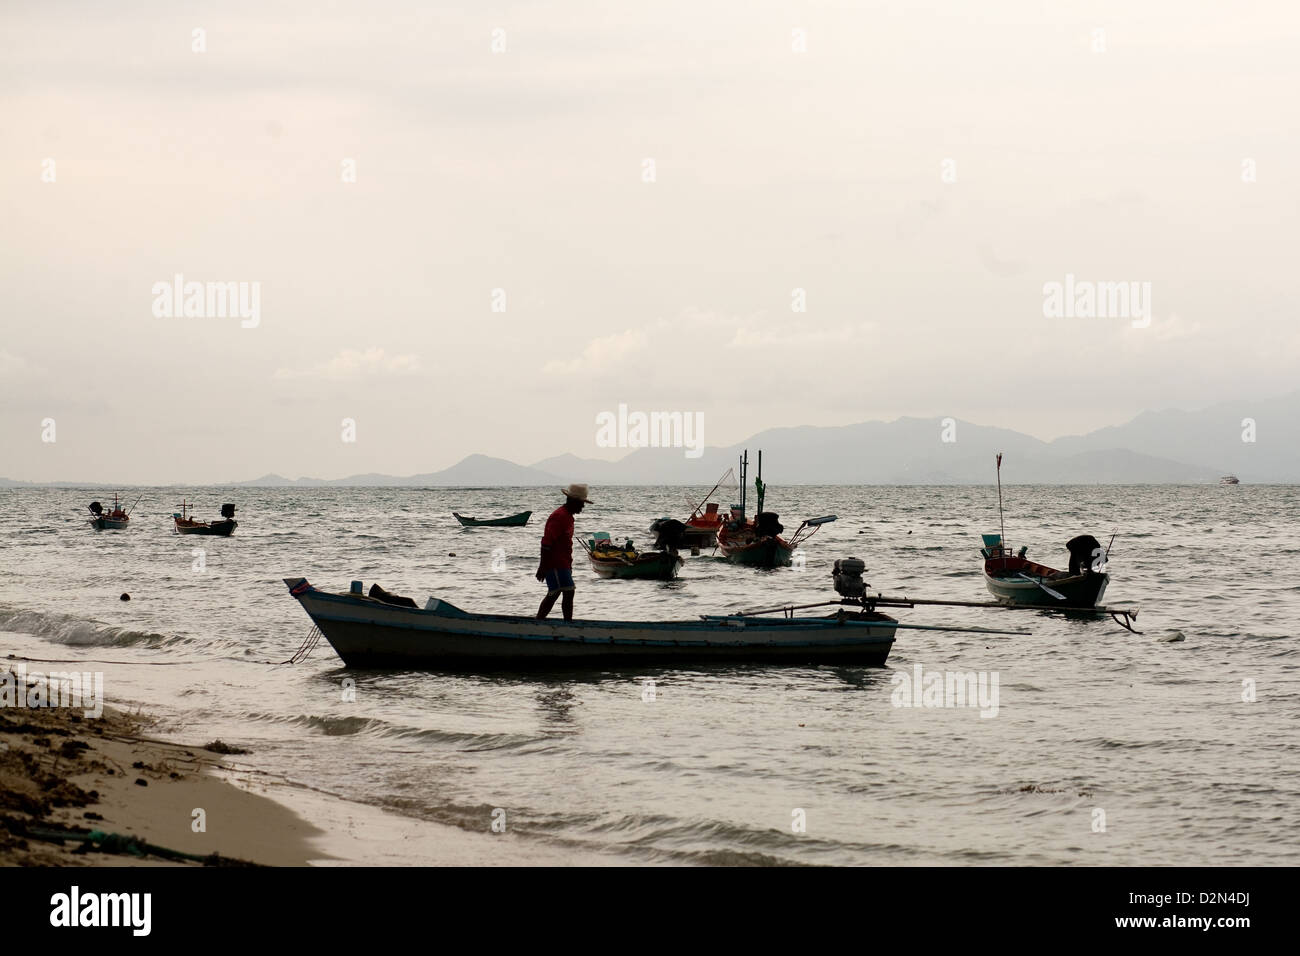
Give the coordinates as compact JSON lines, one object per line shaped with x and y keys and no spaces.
{"x":218,"y":747}
{"x":117,"y":843}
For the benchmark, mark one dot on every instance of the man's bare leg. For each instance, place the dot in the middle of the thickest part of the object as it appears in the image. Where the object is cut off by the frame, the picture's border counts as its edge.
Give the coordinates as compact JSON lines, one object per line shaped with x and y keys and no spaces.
{"x":548,"y":602}
{"x":567,"y":605}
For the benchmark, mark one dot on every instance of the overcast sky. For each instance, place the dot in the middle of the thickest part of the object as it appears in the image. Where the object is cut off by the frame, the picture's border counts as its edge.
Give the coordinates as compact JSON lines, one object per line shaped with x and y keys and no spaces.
{"x":1116,"y":156}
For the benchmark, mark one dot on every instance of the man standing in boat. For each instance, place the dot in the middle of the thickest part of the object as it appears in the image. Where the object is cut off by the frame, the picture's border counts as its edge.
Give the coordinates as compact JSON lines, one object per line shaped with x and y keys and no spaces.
{"x":556,"y":566}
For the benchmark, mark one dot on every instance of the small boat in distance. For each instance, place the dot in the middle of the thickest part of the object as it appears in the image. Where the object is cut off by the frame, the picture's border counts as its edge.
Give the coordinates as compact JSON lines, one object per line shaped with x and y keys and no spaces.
{"x":510,"y":521}
{"x":700,"y":529}
{"x":758,"y":543}
{"x":613,"y":561}
{"x":1229,"y":480}
{"x":1014,"y":579}
{"x":112,"y":520}
{"x":223,"y":528}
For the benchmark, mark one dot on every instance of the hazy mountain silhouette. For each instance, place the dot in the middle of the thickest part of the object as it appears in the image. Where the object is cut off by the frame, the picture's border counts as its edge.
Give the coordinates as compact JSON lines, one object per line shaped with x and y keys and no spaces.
{"x":1154,"y":448}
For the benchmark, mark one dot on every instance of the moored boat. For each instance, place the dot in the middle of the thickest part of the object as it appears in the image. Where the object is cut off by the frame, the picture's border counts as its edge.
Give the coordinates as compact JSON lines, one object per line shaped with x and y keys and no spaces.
{"x":185,"y":524}
{"x":700,"y":529}
{"x":372,"y":632}
{"x":112,"y":519}
{"x":612,"y":561}
{"x":1015,"y":579}
{"x":510,"y":521}
{"x":758,"y":542}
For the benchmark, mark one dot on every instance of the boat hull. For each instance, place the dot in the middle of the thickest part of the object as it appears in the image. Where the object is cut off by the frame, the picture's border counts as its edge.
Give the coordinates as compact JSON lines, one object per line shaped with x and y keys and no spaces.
{"x":365,"y":632}
{"x":657,"y":566}
{"x":770,"y":552}
{"x":221,"y":529}
{"x":511,"y":521}
{"x":1083,"y":591}
{"x":110,"y":524}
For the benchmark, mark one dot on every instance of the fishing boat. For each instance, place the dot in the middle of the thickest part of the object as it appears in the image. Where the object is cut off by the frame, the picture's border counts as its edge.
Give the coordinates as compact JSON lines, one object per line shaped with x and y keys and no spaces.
{"x":610,"y":560}
{"x":1014,"y":579}
{"x":1229,"y":480}
{"x":758,"y":542}
{"x":368,"y":631}
{"x":113,"y":519}
{"x":510,"y":521}
{"x":700,"y":529}
{"x":185,"y":524}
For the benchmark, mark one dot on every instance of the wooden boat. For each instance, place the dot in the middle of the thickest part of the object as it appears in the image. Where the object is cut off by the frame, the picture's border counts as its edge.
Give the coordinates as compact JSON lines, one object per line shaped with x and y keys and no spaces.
{"x":510,"y":521}
{"x":612,"y":561}
{"x":1017,"y":580}
{"x":114,"y":519}
{"x":370,"y":632}
{"x":1013,"y":579}
{"x":758,"y":542}
{"x":744,"y":542}
{"x":187,"y":525}
{"x":1229,"y":480}
{"x":699,"y":530}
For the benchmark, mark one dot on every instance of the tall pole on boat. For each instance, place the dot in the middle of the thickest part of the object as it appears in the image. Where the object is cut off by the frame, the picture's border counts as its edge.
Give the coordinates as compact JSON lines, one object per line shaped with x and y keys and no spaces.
{"x":744,"y":477}
{"x":1002,"y":526}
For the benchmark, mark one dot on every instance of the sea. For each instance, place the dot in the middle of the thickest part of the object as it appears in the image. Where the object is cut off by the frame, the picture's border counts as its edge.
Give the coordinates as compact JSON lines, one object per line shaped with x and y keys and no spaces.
{"x":1089,"y":745}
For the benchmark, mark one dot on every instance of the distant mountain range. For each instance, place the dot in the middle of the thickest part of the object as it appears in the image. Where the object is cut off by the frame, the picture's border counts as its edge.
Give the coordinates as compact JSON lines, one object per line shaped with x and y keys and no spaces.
{"x":1168,"y":447}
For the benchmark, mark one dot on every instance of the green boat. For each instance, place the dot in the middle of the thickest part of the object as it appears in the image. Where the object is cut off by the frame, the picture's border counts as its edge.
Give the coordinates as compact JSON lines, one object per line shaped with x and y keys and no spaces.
{"x":510,"y":521}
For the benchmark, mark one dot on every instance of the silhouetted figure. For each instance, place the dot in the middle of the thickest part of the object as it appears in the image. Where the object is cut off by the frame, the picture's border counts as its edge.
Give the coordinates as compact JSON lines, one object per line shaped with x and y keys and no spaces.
{"x":556,"y":565}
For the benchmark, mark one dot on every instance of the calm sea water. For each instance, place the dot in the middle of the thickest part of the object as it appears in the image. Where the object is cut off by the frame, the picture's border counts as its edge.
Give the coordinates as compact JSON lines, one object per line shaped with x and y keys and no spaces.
{"x":1095,"y":727}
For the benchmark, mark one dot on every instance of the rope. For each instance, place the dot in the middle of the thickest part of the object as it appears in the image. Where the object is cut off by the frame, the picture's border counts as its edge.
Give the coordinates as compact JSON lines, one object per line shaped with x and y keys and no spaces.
{"x":91,"y":660}
{"x":308,"y":645}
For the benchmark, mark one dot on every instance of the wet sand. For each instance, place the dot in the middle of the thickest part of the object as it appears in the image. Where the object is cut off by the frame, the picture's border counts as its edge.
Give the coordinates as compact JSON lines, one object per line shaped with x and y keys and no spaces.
{"x":64,"y":772}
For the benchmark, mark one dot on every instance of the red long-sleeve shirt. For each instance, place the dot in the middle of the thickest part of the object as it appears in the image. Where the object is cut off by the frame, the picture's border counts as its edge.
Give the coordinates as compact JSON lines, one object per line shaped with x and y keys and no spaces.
{"x":557,"y":540}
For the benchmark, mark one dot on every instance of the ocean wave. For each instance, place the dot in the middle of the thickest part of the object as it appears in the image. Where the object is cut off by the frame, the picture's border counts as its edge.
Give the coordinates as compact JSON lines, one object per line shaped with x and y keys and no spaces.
{"x":81,"y":632}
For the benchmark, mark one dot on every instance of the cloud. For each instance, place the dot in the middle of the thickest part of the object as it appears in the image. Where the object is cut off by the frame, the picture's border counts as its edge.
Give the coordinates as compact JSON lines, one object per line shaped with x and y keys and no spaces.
{"x":601,"y":353}
{"x":351,"y":364}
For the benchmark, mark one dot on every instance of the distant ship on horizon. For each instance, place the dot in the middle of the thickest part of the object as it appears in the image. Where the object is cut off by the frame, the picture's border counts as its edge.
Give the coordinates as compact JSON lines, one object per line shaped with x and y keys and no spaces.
{"x":1229,"y":480}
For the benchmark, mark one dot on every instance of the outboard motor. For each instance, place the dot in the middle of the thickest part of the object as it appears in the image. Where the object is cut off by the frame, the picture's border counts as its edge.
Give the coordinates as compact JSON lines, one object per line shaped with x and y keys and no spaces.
{"x":228,"y":511}
{"x":1083,"y":551}
{"x":766,"y":524}
{"x":668,"y":533}
{"x":847,"y":574}
{"x":96,"y":508}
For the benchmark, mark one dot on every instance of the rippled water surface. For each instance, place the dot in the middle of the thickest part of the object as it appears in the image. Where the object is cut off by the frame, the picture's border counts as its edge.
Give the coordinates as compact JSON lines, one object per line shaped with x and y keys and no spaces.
{"x":1107,"y":747}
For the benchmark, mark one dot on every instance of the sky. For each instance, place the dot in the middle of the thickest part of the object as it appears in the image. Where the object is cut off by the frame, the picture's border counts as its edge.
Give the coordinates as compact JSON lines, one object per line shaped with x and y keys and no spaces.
{"x":764,"y":214}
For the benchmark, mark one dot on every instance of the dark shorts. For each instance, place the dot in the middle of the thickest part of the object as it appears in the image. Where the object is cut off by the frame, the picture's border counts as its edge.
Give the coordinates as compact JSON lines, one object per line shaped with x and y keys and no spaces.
{"x":559,"y":579}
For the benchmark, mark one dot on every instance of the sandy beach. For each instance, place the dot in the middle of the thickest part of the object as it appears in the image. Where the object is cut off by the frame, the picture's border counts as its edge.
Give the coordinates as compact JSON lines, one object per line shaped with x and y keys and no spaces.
{"x":65,"y":773}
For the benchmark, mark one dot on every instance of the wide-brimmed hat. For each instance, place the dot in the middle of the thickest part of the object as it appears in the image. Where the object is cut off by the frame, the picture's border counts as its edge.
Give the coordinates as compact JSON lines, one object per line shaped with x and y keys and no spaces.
{"x":576,"y":491}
